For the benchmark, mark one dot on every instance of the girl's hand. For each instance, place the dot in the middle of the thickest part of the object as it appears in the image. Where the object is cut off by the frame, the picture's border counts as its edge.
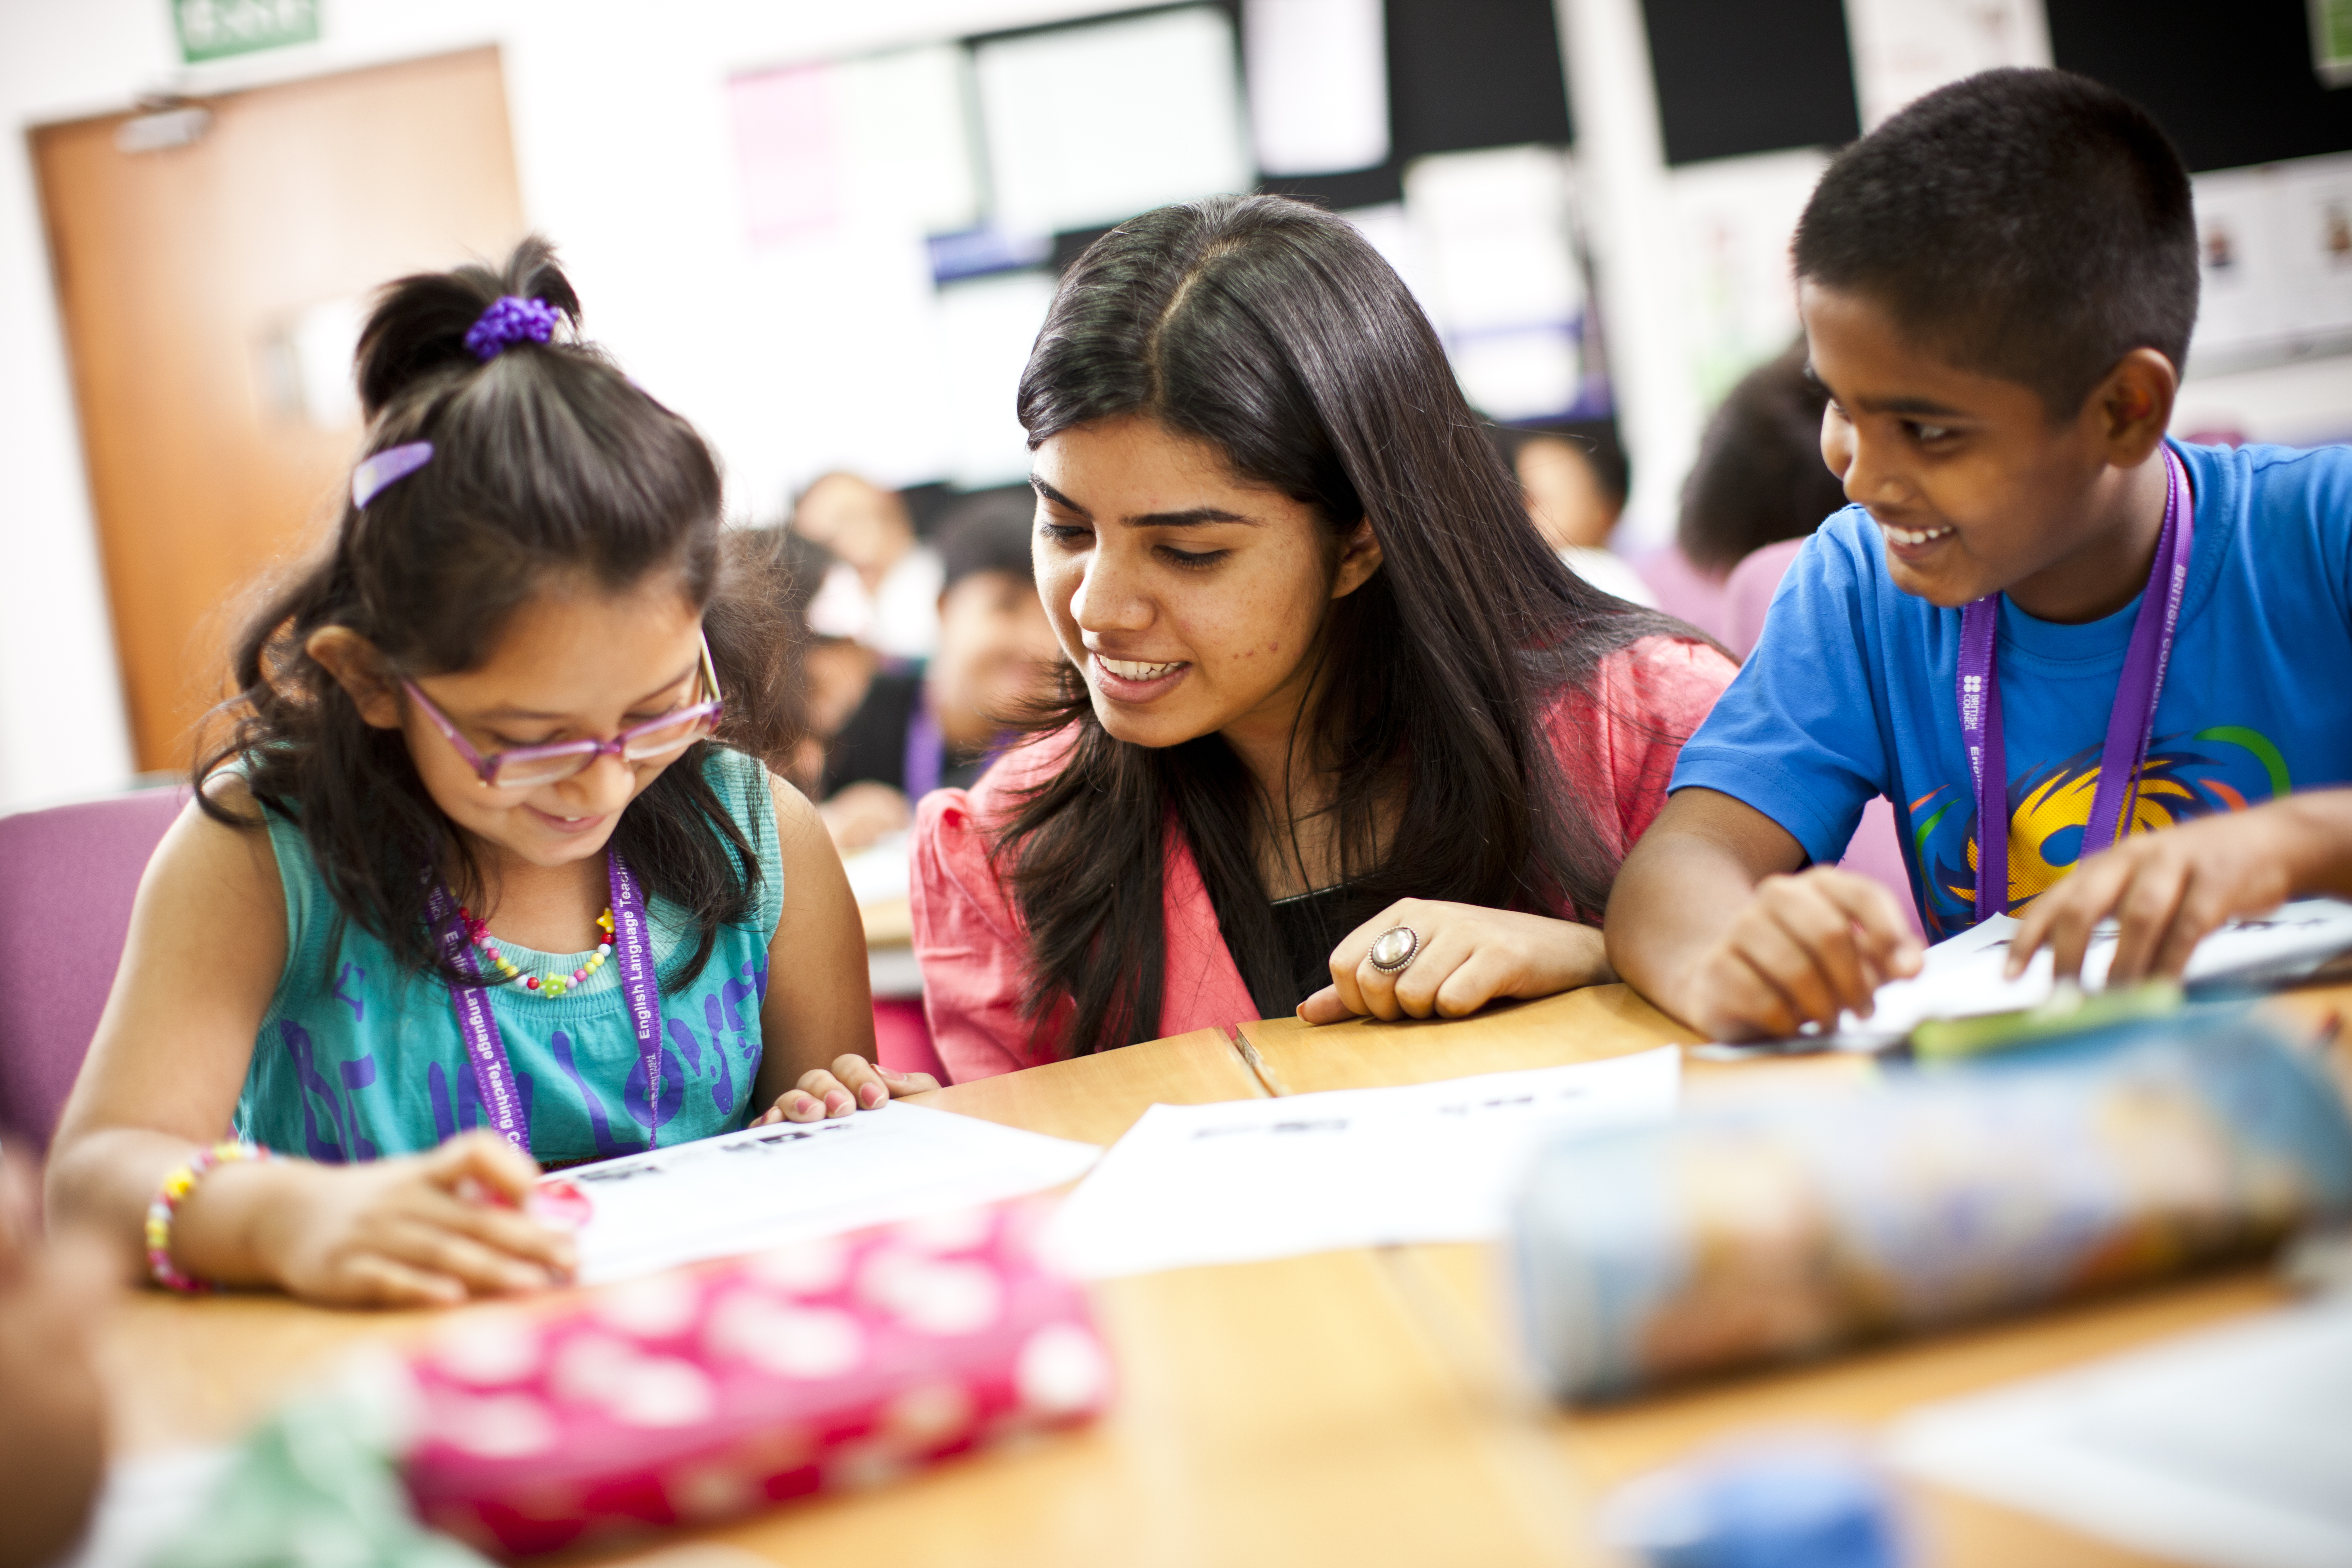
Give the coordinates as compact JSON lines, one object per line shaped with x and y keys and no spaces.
{"x":1804,"y":949}
{"x":419,"y":1230}
{"x":853,"y":1083}
{"x":1468,"y":957}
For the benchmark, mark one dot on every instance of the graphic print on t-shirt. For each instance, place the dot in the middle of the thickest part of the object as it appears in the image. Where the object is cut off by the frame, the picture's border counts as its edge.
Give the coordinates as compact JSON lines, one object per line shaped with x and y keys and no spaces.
{"x":2225,"y":768}
{"x":1852,"y":690}
{"x":359,"y":1058}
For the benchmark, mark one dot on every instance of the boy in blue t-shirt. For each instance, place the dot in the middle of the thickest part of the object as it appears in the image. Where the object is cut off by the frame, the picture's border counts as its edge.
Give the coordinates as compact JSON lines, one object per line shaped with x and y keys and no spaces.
{"x":1998,"y":288}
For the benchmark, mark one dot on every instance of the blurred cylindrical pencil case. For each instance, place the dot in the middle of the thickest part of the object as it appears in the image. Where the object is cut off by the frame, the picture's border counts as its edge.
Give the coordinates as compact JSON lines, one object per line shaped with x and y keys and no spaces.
{"x":1744,"y":1235}
{"x":703,"y":1394}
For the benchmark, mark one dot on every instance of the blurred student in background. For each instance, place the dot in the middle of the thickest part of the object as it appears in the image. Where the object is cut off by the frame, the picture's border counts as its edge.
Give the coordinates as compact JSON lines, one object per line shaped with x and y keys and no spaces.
{"x":810,"y":701}
{"x":1757,"y":493}
{"x":1575,"y":490}
{"x":1336,"y":731}
{"x":884,"y":586}
{"x":1759,"y":479}
{"x":915,"y":732}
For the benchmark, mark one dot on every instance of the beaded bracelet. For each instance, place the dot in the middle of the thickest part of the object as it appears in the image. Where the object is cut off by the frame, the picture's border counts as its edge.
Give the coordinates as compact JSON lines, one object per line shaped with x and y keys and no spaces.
{"x":176,"y":1188}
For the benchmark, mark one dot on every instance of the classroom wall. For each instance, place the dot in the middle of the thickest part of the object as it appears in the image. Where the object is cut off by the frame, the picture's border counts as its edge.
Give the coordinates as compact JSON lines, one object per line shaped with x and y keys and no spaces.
{"x":1690,"y":257}
{"x":622,"y":149}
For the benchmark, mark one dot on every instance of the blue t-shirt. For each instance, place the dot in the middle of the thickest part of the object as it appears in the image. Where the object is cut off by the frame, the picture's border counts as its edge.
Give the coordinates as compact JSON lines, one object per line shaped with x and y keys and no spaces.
{"x":1850,"y":692}
{"x":357,"y":1058}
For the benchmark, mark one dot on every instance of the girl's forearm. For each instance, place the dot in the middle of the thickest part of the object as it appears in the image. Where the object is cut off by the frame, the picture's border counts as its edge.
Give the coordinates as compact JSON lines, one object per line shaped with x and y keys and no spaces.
{"x":105,"y":1180}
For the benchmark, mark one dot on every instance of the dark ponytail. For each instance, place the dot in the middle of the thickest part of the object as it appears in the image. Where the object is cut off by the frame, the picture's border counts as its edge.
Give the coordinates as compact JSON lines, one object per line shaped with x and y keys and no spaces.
{"x":548,"y":466}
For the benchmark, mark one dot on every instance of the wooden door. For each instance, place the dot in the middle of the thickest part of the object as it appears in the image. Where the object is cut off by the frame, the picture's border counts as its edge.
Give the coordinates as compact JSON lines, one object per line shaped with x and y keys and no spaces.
{"x":199,"y":283}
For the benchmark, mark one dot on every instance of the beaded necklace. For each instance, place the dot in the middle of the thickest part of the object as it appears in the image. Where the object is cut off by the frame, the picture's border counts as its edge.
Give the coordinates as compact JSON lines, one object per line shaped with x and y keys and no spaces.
{"x":632,"y":943}
{"x":477,"y":932}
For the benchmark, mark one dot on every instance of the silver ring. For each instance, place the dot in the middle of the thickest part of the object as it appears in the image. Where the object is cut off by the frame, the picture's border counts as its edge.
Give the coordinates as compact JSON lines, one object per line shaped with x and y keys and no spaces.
{"x":1394,"y":949}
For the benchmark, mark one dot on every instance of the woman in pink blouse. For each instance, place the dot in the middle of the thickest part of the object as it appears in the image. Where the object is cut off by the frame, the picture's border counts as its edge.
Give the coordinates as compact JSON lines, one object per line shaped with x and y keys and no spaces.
{"x":1337,"y":731}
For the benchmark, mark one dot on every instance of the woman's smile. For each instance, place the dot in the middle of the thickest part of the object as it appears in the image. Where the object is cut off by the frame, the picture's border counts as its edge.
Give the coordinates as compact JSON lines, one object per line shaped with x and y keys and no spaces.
{"x":1136,"y":680}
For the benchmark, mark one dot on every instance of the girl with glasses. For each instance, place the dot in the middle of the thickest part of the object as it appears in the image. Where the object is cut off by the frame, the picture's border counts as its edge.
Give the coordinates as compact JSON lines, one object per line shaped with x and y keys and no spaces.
{"x":479,"y":881}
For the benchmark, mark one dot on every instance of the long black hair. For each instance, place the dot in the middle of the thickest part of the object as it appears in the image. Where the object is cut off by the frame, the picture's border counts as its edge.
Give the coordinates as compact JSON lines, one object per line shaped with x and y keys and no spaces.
{"x":549,"y":467}
{"x":1272,"y":330}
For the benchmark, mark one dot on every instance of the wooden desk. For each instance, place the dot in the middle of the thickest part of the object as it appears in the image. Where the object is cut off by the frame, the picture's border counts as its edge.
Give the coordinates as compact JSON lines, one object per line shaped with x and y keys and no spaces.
{"x":888,"y":923}
{"x":1274,"y":1413}
{"x":1355,"y":1406}
{"x":1456,"y":1287}
{"x":1293,"y":1057}
{"x":891,"y":970}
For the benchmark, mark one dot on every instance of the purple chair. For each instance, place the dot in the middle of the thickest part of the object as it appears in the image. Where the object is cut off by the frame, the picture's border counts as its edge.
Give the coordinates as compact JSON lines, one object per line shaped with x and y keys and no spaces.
{"x":69,"y":873}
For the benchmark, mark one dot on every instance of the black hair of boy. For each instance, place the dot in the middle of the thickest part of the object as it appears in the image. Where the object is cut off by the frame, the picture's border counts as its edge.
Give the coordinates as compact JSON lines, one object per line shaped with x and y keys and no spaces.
{"x":1760,"y":477}
{"x":2029,"y":225}
{"x":988,"y":533}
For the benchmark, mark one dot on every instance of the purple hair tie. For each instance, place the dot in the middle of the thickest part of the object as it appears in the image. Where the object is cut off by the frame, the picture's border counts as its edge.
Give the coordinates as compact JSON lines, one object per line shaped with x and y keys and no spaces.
{"x":381,"y":468}
{"x":510,"y":320}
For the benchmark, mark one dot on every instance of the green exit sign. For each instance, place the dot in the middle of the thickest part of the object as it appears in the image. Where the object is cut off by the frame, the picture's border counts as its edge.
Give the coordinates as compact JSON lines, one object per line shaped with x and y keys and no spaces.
{"x":213,"y":29}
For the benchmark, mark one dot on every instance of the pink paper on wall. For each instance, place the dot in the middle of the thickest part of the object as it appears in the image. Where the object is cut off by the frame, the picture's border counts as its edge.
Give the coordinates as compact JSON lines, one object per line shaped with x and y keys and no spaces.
{"x":787,"y":152}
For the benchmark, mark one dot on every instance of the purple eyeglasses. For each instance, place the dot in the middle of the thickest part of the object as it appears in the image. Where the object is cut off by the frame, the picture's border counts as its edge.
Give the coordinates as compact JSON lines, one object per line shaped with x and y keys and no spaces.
{"x":527,"y":767}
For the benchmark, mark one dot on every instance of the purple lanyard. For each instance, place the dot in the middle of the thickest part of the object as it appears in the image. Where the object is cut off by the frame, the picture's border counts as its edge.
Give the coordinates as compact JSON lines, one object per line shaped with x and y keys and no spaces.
{"x":926,"y":755}
{"x":2129,"y":725}
{"x":632,"y":949}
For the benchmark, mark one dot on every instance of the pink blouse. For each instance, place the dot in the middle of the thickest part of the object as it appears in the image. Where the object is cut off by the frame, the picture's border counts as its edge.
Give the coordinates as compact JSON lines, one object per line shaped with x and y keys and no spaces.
{"x":1646,"y":700}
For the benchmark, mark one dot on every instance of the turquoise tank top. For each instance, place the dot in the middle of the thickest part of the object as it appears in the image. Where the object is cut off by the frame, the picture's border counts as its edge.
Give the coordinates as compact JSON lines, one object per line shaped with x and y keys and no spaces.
{"x":358,"y":1058}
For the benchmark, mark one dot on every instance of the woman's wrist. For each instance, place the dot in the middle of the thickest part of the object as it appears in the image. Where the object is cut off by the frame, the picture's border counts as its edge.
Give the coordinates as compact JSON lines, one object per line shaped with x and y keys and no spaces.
{"x":1583,"y":958}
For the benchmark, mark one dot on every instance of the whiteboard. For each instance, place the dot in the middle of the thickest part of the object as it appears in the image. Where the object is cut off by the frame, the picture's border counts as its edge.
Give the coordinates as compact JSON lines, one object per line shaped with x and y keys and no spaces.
{"x":1087,"y":126}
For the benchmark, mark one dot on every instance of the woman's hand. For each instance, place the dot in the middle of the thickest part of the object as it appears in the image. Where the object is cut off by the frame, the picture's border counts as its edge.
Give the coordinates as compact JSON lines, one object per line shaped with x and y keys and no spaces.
{"x":1802,"y":949}
{"x":418,"y":1230}
{"x":852,"y":1083}
{"x":1468,"y":957}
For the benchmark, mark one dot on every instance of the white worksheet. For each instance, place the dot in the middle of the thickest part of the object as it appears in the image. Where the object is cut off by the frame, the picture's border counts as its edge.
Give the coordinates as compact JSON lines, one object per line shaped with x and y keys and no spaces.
{"x":2230,"y":1448}
{"x":765,"y":1186}
{"x":1962,"y":977}
{"x":880,"y":870}
{"x":1251,"y":1179}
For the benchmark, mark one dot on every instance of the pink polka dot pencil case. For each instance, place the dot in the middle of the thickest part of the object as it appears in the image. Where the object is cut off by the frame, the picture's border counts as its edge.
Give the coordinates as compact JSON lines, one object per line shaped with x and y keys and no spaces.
{"x":703,"y":1394}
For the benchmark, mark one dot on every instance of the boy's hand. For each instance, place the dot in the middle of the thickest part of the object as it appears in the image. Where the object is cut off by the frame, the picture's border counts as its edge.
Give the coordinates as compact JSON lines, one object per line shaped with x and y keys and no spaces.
{"x":1469,"y":955}
{"x":2169,"y":889}
{"x":1804,"y":949}
{"x":418,"y":1230}
{"x":853,"y":1083}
